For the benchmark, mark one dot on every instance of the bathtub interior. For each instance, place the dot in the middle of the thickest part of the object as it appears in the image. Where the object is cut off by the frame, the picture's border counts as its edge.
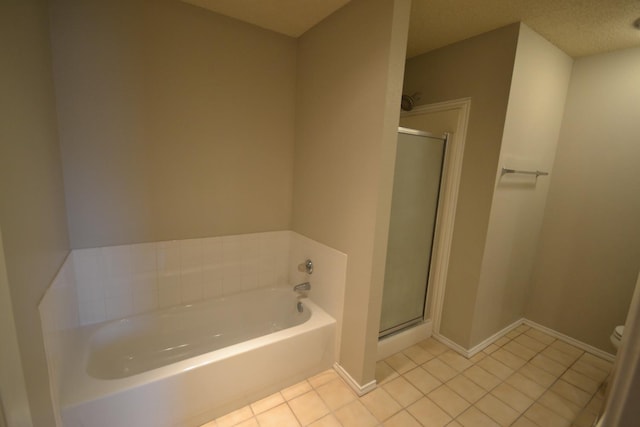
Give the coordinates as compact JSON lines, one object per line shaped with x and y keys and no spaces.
{"x":191,"y":391}
{"x":140,"y":343}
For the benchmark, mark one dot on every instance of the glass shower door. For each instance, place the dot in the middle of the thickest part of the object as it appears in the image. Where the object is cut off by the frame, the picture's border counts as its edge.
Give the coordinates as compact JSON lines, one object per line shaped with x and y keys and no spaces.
{"x":416,"y":186}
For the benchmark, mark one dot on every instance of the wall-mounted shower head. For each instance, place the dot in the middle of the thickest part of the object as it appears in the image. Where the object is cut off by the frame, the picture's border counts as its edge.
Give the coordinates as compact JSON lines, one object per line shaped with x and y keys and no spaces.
{"x":408,"y":101}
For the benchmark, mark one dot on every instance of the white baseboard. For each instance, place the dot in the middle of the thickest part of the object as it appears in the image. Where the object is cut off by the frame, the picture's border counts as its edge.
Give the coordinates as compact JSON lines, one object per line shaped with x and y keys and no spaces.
{"x":468,"y":353}
{"x":487,"y":342}
{"x":360,"y":390}
{"x":452,"y":345}
{"x":574,"y":342}
{"x":398,"y":342}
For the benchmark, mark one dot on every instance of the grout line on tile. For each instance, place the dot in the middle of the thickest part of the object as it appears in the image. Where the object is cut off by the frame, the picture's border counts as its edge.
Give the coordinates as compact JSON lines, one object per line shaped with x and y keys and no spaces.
{"x":503,"y":340}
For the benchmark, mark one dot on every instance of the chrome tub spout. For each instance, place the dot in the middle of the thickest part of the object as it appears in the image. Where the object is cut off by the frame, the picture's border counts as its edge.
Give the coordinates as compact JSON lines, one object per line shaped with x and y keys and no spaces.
{"x":306,"y":286}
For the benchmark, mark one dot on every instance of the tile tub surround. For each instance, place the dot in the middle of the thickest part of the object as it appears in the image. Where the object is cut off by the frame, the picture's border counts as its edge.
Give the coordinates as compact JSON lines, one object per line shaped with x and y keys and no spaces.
{"x":120,"y":281}
{"x":100,"y":284}
{"x":529,"y":379}
{"x":328,"y":280}
{"x":58,"y":314}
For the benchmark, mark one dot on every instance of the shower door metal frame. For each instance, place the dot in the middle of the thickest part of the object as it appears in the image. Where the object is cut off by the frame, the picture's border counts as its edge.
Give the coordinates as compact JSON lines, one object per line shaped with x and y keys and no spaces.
{"x":450,"y":191}
{"x":444,"y":137}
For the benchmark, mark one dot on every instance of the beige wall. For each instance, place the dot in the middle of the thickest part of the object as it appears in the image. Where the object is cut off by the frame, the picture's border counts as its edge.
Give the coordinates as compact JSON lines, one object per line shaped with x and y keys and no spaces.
{"x":32,"y":213}
{"x":175,"y":122}
{"x":532,"y":126}
{"x":349,"y":86}
{"x":13,"y":391}
{"x":479,"y":68}
{"x":589,"y":251}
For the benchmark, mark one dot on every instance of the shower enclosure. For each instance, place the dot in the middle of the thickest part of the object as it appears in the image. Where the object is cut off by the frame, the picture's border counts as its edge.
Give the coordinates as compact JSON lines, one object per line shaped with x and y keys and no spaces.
{"x":414,"y":205}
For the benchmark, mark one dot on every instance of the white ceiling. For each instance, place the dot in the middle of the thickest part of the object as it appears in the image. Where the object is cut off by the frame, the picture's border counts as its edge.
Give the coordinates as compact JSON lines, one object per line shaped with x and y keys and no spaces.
{"x":579,"y":27}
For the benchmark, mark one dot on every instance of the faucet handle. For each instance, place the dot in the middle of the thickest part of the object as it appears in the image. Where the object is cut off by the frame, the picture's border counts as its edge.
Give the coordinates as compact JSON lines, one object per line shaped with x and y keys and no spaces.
{"x":308,"y":265}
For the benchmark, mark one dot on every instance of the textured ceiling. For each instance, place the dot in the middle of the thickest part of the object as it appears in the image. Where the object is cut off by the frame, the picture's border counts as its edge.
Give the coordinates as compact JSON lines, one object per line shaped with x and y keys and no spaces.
{"x":578,"y":27}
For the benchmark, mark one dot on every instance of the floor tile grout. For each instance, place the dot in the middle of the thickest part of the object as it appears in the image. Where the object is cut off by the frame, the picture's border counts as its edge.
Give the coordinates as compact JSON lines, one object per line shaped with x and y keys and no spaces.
{"x":451,"y":366}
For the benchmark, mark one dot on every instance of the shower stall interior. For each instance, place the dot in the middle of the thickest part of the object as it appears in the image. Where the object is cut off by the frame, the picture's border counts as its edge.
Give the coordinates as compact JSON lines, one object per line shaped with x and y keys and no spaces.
{"x":414,"y":206}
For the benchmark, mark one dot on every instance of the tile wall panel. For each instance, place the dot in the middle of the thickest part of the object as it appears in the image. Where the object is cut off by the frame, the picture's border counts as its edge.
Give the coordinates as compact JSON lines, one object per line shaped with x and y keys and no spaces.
{"x":120,"y":281}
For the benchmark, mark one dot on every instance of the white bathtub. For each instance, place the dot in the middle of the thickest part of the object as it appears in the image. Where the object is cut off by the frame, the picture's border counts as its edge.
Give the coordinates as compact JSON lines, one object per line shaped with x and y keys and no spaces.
{"x":185,"y":365}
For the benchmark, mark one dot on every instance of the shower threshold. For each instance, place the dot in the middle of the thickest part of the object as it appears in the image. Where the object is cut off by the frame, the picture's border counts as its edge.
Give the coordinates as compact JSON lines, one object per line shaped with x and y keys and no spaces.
{"x":400,"y":328}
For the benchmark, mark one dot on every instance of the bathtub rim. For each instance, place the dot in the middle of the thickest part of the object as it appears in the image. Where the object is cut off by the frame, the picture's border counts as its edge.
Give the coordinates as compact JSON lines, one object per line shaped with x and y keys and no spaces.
{"x":79,"y":387}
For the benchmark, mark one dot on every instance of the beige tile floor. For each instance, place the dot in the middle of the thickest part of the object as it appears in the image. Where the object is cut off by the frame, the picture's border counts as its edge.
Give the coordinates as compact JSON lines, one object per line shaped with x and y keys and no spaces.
{"x":525,"y":379}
